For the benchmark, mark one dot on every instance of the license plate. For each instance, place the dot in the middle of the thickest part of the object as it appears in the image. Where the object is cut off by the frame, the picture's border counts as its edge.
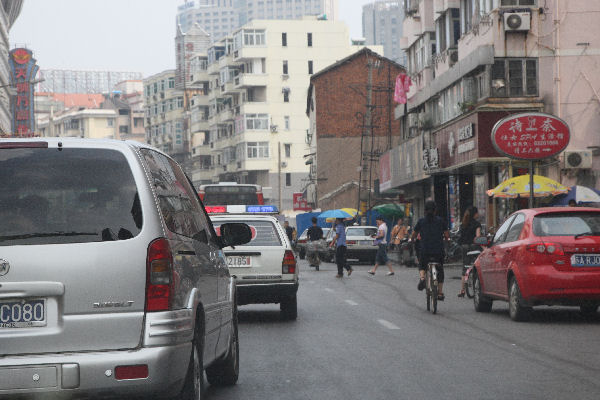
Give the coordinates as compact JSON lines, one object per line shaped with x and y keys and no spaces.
{"x":365,"y":242}
{"x":585,"y":260}
{"x":22,"y":313}
{"x":239,"y":261}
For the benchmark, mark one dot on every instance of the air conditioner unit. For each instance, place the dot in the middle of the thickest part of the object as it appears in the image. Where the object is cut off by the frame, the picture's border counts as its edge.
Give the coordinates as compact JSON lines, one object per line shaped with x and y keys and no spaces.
{"x":453,"y":56}
{"x":283,"y":164}
{"x":577,"y":159}
{"x":517,"y":21}
{"x":274,"y":129}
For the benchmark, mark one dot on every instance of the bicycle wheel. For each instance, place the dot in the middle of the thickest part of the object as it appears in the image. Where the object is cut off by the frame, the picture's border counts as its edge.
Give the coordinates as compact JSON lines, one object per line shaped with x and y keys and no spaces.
{"x":428,"y":290}
{"x":470,"y":286}
{"x":434,"y":294}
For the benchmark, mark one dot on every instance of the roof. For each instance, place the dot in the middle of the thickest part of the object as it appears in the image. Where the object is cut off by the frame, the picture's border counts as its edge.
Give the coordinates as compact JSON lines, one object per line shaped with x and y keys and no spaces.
{"x":70,"y":100}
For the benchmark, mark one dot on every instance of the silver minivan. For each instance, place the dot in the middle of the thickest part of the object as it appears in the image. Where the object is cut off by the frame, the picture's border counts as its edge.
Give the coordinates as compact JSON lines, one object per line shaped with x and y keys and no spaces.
{"x":112,"y":279}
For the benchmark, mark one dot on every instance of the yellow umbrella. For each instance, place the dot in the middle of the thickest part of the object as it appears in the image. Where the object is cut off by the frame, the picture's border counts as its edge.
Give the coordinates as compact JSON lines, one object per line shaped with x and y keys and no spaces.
{"x":519,"y":187}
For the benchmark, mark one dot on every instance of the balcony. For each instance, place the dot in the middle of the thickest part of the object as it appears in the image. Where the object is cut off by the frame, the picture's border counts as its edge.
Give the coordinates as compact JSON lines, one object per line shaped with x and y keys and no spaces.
{"x":254,"y":108}
{"x":229,"y":88}
{"x":213,"y":69}
{"x":226,"y":115}
{"x":250,"y":52}
{"x":202,"y":125}
{"x":250,"y":80}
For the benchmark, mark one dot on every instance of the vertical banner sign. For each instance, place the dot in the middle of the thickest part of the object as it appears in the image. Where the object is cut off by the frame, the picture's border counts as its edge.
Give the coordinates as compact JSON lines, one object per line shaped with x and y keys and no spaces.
{"x":300,"y":203}
{"x":23,"y":70}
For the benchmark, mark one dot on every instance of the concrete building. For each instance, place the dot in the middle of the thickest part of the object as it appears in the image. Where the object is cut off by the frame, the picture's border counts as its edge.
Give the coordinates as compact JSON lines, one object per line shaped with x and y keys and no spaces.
{"x":258,"y":80}
{"x":164,"y":115}
{"x":82,"y":81}
{"x":9,"y":11}
{"x":473,"y":62}
{"x":382,"y":25}
{"x":220,"y":18}
{"x":92,"y":123}
{"x":343,"y":125}
{"x":127,"y":99}
{"x":200,"y":166}
{"x":188,"y":43}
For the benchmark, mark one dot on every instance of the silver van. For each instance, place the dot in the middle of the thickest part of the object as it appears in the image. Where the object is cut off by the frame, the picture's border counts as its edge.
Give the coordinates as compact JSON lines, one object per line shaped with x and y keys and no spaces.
{"x":112,"y":279}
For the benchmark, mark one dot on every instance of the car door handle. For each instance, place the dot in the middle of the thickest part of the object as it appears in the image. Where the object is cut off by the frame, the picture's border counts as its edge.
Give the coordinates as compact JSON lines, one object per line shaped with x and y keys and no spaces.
{"x":186,"y":252}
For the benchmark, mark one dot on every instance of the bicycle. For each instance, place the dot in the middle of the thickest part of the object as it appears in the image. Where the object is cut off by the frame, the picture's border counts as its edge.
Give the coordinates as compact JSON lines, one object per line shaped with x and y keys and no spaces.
{"x":431,"y":286}
{"x":469,"y":276}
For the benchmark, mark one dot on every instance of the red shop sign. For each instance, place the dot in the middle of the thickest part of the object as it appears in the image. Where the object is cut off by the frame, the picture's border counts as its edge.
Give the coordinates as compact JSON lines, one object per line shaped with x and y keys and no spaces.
{"x":530,"y":136}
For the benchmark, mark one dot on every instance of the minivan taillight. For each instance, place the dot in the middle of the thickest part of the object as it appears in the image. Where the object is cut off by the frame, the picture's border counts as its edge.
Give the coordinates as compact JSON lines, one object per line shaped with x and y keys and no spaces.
{"x":159,"y":276}
{"x":288,"y":266}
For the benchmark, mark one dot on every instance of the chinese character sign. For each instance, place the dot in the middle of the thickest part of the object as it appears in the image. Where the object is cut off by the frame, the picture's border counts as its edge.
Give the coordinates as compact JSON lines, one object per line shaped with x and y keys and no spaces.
{"x":300,"y":203}
{"x":23,"y":70}
{"x":530,"y":136}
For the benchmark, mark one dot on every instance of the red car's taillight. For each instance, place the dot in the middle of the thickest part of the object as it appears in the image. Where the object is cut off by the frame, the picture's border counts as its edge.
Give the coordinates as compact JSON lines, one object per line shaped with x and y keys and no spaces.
{"x":159,"y":276}
{"x":350,"y":241}
{"x":553,"y":249}
{"x":302,"y":241}
{"x":288,"y":266}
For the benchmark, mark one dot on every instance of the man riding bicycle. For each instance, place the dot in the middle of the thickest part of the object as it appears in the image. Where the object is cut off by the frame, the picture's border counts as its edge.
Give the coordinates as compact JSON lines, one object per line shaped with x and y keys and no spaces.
{"x":432,"y":230}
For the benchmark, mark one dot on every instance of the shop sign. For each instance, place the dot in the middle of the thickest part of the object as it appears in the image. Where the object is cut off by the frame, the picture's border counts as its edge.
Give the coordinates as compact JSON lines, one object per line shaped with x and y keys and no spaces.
{"x":300,"y":203}
{"x":23,"y":70}
{"x":466,"y":132}
{"x":431,"y":159}
{"x":466,"y":146}
{"x":385,"y":172}
{"x":530,"y":136}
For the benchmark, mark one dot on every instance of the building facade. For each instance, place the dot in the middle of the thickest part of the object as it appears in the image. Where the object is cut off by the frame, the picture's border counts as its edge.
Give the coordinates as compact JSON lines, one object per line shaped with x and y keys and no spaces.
{"x":92,"y":123}
{"x":382,"y":25}
{"x":128,"y":101}
{"x":9,"y":11}
{"x":352,"y":124}
{"x":258,"y":80}
{"x":81,"y":81}
{"x":473,"y":62}
{"x":187,"y":44}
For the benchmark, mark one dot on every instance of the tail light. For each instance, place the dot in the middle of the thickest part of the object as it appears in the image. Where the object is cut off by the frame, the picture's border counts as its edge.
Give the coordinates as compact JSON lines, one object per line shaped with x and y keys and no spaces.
{"x":552,"y":249}
{"x":216,"y":209}
{"x":350,"y":241}
{"x":159,"y":276}
{"x":302,"y":241}
{"x":123,"y":372}
{"x":288,"y":266}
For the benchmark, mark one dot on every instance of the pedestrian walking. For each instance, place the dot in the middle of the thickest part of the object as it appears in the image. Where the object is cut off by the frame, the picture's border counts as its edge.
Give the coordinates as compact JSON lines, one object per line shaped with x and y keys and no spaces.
{"x":314,"y":235}
{"x":381,"y":242}
{"x":399,"y":232}
{"x":470,"y":228}
{"x":289,"y":231}
{"x":339,"y":241}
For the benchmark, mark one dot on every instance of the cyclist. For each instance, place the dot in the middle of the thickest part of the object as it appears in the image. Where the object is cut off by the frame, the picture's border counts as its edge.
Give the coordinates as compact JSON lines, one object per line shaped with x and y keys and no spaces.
{"x":432,"y":231}
{"x":314,"y":234}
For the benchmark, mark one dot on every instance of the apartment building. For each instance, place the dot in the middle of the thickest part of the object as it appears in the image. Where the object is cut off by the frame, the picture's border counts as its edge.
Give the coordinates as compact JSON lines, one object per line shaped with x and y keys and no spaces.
{"x":382,"y":25}
{"x":9,"y":11}
{"x":473,"y":62}
{"x":81,"y":122}
{"x":127,"y":99}
{"x":164,"y":115}
{"x":258,"y":80}
{"x":200,"y":167}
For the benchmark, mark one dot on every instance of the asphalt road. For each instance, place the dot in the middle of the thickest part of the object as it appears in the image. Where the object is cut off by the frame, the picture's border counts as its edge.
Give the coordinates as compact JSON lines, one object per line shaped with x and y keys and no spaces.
{"x":370,"y":337}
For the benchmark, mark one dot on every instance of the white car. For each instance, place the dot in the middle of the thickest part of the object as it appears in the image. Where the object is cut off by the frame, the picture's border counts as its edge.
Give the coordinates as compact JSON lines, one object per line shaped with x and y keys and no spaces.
{"x":265,"y":269}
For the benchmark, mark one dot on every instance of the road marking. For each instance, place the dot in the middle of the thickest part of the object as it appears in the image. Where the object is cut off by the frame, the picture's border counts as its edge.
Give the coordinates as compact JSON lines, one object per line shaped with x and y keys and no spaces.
{"x":329,"y":290}
{"x":352,"y":303}
{"x":387,"y":324}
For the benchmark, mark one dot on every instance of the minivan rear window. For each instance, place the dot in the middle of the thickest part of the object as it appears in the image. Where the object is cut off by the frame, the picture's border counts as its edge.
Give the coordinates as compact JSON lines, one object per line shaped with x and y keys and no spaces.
{"x":567,"y":224}
{"x":264,"y":233}
{"x":361,"y":231}
{"x":51,"y":196}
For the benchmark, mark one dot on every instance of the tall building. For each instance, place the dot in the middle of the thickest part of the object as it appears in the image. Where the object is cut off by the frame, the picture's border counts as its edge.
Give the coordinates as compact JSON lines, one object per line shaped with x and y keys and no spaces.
{"x":187,"y":44}
{"x":9,"y":11}
{"x":382,"y":25}
{"x":220,"y":18}
{"x":258,"y":80}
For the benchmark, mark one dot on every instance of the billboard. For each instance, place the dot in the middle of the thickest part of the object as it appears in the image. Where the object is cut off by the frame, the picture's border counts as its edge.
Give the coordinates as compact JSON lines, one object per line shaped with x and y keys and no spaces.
{"x":23,"y":70}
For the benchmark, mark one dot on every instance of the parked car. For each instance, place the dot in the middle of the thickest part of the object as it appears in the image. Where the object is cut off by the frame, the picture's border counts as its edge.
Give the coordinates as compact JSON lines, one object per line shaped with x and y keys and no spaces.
{"x":265,"y":268}
{"x":544,"y":256}
{"x":359,"y":243}
{"x":303,"y":240}
{"x":112,"y":280}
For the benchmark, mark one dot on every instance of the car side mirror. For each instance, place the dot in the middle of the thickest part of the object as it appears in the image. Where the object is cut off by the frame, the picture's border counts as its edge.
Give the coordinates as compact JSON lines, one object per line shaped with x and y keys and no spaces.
{"x":235,"y":234}
{"x":481,"y":240}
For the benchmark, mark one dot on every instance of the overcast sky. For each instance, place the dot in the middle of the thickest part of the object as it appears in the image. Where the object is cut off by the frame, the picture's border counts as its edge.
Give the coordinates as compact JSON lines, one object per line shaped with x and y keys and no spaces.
{"x":118,"y":35}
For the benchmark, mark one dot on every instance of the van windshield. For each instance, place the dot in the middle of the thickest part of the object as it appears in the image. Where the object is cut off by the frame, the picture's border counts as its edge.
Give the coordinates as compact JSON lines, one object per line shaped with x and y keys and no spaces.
{"x":68,"y":196}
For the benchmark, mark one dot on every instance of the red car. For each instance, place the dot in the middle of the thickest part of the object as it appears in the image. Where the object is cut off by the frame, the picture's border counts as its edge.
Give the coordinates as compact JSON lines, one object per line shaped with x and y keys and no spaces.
{"x":541,"y":256}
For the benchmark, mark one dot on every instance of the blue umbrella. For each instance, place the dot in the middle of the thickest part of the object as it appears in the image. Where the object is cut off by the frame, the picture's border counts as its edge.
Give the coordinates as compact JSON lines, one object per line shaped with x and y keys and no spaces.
{"x":335,"y":214}
{"x":581,"y":194}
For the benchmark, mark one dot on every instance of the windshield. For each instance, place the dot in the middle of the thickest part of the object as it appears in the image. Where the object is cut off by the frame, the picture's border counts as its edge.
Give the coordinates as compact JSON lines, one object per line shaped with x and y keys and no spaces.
{"x":361,"y":231}
{"x":567,"y":224}
{"x":72,"y":195}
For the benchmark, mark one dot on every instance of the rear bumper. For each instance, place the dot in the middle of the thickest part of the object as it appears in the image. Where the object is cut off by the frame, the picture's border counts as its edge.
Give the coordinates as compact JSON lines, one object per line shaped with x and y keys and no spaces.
{"x":546,"y":285}
{"x":261,"y":293}
{"x":77,"y":375}
{"x":361,"y":251}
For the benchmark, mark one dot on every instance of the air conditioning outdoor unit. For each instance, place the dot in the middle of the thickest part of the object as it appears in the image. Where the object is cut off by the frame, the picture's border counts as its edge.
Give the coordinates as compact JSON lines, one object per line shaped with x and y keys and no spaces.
{"x":577,"y":159}
{"x":453,"y":56}
{"x":517,"y":21}
{"x":274,"y":128}
{"x":283,"y":164}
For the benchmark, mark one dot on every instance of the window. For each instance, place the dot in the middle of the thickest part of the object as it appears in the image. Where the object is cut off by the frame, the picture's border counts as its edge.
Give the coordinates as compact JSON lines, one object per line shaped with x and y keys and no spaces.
{"x":137,"y":122}
{"x":180,"y":102}
{"x":285,"y":67}
{"x":109,"y":122}
{"x":514,"y":77}
{"x":171,"y":83}
{"x":123,"y":129}
{"x":501,"y":232}
{"x":517,"y":2}
{"x":288,"y":179}
{"x":515,"y":229}
{"x":310,"y":67}
{"x":286,"y":122}
{"x":309,"y":39}
{"x":286,"y":96}
{"x":257,"y":149}
{"x":257,"y":121}
{"x":284,"y":39}
{"x":288,"y":150}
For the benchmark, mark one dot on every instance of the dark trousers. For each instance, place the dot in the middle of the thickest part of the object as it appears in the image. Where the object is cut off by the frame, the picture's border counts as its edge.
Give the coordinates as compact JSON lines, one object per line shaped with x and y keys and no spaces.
{"x":340,"y":259}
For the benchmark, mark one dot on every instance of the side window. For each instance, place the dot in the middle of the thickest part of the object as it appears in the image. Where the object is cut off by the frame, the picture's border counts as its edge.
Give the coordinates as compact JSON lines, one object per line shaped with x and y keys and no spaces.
{"x":515,"y":228}
{"x":501,"y":232}
{"x":179,"y":205}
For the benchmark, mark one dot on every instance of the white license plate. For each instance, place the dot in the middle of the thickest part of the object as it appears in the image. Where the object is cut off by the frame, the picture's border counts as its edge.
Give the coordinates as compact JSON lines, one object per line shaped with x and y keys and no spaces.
{"x":365,"y":242}
{"x":239,"y":261}
{"x":22,"y":313}
{"x":585,"y":260}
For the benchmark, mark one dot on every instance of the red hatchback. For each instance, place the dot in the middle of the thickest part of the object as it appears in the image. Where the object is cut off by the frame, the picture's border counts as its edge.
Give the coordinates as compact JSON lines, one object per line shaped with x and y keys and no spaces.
{"x":542,"y":256}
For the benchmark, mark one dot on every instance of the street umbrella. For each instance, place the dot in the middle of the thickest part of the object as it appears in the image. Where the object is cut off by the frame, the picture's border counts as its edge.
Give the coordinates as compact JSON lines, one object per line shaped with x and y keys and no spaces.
{"x":351,"y":211}
{"x":519,"y":187}
{"x":338,"y":213}
{"x":390,"y":210}
{"x":581,"y":194}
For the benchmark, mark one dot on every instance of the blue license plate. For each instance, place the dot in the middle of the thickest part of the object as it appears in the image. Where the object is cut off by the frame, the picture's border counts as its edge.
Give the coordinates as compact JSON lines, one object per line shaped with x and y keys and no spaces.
{"x":22,"y":313}
{"x":585,"y":260}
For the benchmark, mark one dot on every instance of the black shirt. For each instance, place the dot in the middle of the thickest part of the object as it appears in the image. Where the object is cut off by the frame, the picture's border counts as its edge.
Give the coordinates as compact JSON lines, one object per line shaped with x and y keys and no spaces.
{"x":289,"y":232}
{"x":432,"y":235}
{"x":467,"y":234}
{"x":314,"y":233}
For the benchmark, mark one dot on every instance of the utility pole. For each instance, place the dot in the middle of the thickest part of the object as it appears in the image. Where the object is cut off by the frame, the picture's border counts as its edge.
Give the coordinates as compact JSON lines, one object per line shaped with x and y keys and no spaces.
{"x":279,"y":171}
